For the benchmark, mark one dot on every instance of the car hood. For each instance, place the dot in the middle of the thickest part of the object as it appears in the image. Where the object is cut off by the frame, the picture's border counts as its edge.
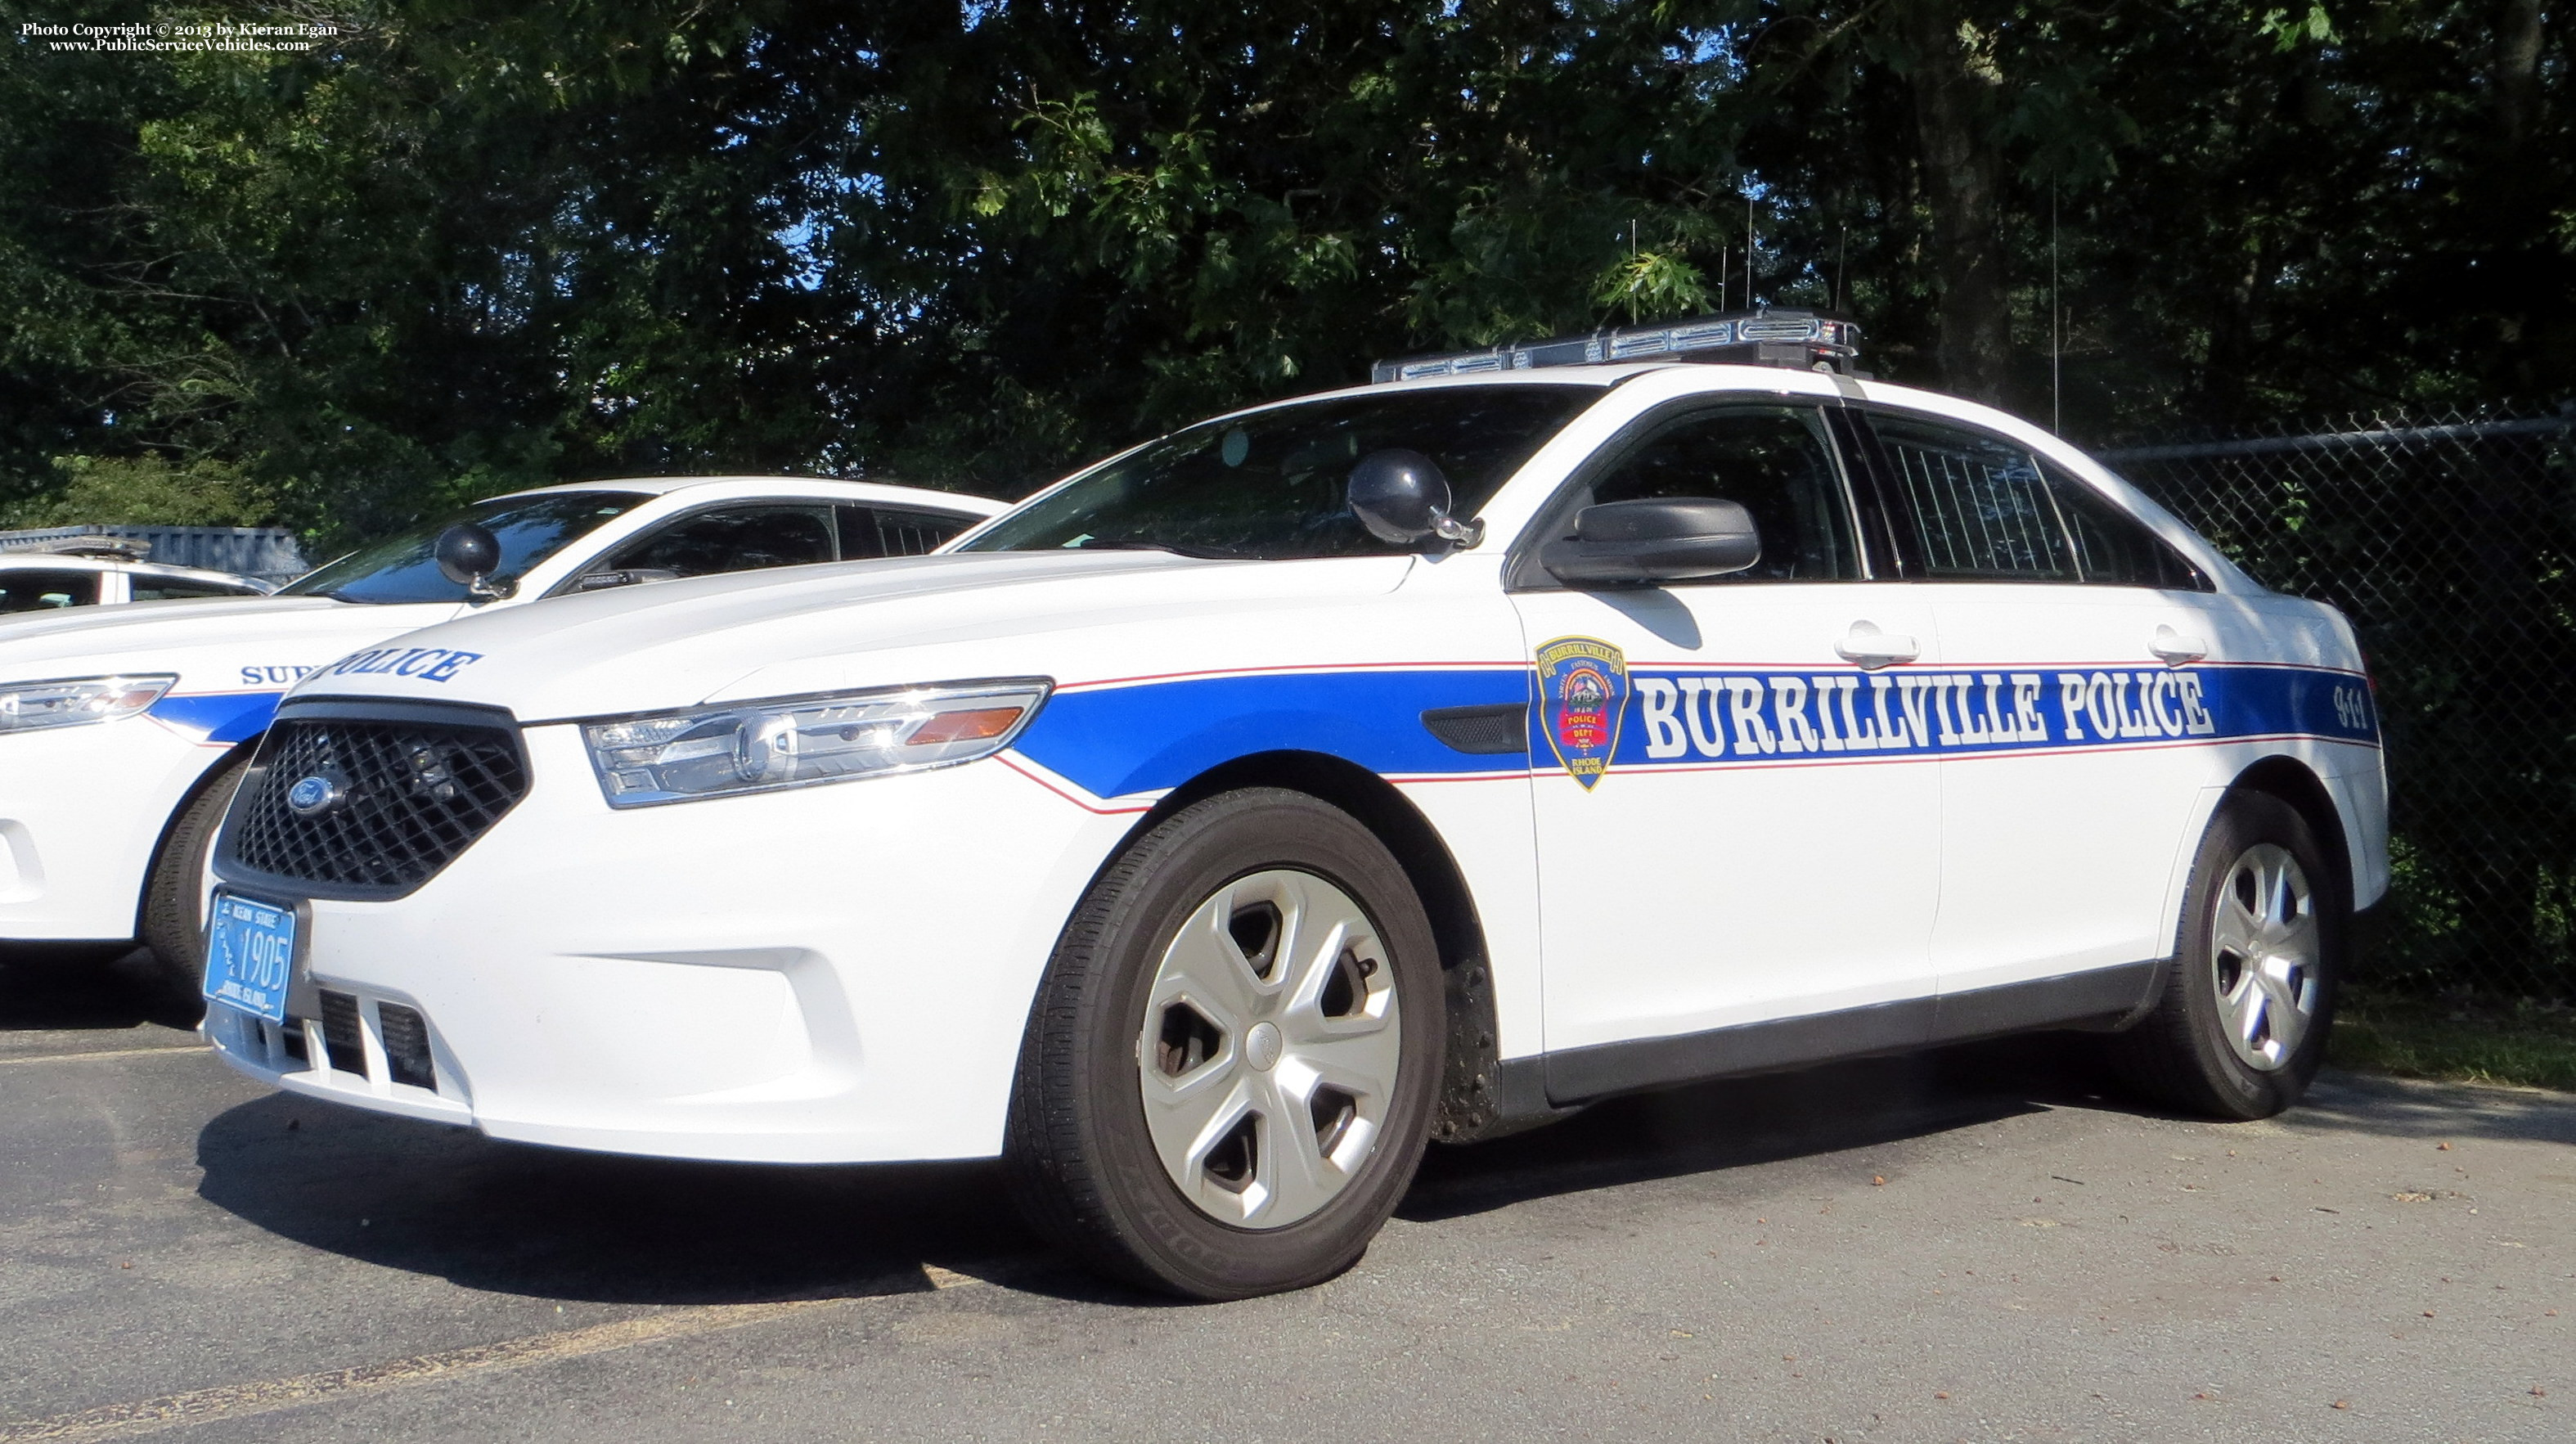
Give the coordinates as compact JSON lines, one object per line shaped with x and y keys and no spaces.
{"x":1071,"y":615}
{"x":209,"y":637}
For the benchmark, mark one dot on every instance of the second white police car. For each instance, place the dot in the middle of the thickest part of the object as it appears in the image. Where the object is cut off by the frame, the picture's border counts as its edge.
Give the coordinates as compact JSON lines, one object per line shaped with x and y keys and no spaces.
{"x":123,"y":730}
{"x":1416,"y":761}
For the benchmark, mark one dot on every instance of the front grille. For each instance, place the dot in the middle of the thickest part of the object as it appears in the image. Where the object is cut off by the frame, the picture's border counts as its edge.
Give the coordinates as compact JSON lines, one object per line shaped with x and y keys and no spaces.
{"x":403,"y":798}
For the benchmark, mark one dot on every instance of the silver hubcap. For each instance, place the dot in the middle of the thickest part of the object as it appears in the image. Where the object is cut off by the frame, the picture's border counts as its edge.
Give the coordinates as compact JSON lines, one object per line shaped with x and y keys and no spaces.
{"x":2263,"y":956}
{"x":1270,"y":1049}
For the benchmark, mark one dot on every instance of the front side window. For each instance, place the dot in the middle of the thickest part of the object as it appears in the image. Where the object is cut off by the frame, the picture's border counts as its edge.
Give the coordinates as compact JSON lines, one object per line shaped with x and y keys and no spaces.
{"x":32,"y":590}
{"x":1774,"y":461}
{"x":1272,"y":484}
{"x":733,"y":539}
{"x":404,"y":568}
{"x":1980,"y":507}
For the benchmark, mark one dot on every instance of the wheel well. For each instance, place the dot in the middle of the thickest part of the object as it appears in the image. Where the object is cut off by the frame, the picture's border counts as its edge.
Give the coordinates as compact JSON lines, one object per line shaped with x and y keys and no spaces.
{"x":2290,"y":780}
{"x":1471,"y":1086}
{"x":197,"y":789}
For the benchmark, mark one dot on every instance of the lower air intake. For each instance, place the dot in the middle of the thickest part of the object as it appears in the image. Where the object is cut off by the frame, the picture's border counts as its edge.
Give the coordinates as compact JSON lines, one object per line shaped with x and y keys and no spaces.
{"x":406,"y":1036}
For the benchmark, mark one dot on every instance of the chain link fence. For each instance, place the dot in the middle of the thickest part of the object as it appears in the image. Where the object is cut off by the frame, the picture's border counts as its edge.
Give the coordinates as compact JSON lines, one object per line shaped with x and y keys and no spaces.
{"x":2450,"y":541}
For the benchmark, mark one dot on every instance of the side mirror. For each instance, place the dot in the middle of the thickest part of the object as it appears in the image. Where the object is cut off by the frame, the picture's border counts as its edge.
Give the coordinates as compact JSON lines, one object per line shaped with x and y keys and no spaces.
{"x":1401,"y":497}
{"x":467,"y":554}
{"x":1654,"y":539}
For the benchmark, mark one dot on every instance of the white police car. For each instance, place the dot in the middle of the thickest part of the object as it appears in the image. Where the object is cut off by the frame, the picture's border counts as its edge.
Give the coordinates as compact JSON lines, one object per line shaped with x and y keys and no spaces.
{"x":123,"y":729}
{"x":1210,"y":831}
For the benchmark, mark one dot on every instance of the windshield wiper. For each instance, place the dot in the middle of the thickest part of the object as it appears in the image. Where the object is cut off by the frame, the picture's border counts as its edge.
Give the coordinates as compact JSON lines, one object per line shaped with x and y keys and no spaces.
{"x":1148,"y":544}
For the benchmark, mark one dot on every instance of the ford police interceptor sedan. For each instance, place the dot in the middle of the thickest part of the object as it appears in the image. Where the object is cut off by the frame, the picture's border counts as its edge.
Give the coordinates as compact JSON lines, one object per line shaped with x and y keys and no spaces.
{"x":1416,"y":761}
{"x":124,"y":729}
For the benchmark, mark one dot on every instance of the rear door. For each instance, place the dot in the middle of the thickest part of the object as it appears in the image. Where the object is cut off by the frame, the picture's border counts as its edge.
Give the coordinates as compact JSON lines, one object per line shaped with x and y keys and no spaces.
{"x":1723,"y":839}
{"x":2071,"y":635}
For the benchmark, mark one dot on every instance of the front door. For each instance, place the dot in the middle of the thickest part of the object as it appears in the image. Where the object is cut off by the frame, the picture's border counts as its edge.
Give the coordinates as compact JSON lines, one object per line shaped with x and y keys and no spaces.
{"x":1735,"y":824}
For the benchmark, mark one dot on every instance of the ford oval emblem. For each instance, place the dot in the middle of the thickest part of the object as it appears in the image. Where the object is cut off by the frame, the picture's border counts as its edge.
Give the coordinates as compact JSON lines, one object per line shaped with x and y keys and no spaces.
{"x":312,"y":795}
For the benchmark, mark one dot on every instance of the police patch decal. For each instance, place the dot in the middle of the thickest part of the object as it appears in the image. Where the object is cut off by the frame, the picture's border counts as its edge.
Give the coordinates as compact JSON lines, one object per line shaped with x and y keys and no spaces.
{"x":1582,"y":689}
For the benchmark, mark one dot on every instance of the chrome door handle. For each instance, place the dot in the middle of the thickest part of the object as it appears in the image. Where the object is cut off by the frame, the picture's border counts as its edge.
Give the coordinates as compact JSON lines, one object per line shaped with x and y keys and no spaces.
{"x":1869,"y":647}
{"x":2175,"y":648}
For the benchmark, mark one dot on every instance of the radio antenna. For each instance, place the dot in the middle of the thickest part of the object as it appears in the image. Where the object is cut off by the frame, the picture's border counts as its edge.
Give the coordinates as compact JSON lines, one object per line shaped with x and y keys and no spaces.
{"x":1842,"y":259}
{"x":1748,"y":250}
{"x":2056,"y":328}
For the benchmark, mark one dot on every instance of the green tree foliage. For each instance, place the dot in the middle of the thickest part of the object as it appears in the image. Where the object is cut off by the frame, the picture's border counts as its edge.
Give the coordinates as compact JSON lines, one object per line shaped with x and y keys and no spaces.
{"x":146,"y":489}
{"x":468,"y":245}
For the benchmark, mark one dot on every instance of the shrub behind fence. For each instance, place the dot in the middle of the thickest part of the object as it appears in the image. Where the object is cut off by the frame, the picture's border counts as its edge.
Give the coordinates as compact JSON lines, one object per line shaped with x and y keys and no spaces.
{"x":2451,"y":543}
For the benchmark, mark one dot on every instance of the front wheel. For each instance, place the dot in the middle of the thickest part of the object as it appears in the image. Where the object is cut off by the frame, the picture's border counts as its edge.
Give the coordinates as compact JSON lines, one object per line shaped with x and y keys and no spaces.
{"x":2242,"y":1024}
{"x":1229,"y":1073}
{"x":174,"y":923}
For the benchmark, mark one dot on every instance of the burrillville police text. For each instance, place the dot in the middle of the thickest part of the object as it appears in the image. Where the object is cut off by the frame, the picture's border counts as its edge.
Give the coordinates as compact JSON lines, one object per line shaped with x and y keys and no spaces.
{"x":159,"y":37}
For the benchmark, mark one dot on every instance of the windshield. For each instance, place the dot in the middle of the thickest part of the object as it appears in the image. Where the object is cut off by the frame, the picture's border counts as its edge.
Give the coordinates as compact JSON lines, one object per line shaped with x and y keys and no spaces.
{"x":402,"y":568}
{"x":1270,"y":485}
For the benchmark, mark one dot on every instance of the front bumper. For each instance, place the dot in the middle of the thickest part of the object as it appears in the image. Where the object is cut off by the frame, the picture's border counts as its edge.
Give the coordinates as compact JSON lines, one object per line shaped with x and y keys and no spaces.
{"x":81,"y":811}
{"x":832,"y":974}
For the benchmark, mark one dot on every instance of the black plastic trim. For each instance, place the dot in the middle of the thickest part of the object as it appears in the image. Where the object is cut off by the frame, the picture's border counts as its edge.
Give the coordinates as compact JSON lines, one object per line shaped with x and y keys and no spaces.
{"x":1492,"y":730}
{"x":1584,"y":1075}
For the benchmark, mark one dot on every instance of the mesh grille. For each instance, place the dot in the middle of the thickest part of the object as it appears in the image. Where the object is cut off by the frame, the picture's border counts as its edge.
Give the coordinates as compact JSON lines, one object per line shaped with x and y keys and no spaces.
{"x":412,"y":796}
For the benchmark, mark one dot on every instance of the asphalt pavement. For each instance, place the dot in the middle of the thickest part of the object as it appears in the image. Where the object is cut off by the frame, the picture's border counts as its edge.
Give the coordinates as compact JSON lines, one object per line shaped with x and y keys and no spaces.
{"x":1987,"y":1243}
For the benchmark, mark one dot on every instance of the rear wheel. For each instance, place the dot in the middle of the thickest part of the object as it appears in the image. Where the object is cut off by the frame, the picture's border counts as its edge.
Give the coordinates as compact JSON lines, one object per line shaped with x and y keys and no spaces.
{"x":2241,"y":1027}
{"x":1229,"y":1074}
{"x":174,"y":922}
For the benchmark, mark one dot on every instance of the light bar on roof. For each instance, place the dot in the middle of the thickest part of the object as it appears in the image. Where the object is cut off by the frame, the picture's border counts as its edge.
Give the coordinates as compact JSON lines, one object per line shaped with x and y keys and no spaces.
{"x":1760,"y":337}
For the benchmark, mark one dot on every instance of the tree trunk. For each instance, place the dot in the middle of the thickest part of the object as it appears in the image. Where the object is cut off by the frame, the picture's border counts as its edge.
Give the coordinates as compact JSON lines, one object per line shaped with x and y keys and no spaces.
{"x":2517,"y":77}
{"x":1964,"y":188}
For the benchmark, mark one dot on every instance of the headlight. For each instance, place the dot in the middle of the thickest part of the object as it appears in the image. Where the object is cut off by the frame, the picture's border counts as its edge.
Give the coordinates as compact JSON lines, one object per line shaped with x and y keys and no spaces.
{"x":794,"y":741}
{"x":27,"y":706}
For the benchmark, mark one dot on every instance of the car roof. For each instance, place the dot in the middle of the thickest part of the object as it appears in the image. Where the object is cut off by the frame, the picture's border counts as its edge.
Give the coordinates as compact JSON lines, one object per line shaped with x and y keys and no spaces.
{"x":57,"y":561}
{"x":823,"y":487}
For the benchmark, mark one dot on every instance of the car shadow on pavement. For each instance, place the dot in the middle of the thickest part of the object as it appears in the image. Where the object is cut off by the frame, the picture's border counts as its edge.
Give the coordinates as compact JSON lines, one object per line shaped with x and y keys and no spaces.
{"x":1710,"y":1128}
{"x":556,"y":1224}
{"x":551,"y":1223}
{"x":87,"y":989}
{"x":2392,"y":1107}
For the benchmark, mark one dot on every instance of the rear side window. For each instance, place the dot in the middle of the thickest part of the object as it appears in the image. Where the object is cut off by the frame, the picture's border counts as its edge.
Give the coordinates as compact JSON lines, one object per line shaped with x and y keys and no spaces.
{"x":2116,"y":549}
{"x":32,"y":590}
{"x":1980,"y":507}
{"x":879,"y":531}
{"x":1775,"y":461}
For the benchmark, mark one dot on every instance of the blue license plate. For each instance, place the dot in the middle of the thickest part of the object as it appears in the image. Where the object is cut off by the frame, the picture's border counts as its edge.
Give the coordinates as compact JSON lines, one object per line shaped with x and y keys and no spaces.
{"x":250,"y":954}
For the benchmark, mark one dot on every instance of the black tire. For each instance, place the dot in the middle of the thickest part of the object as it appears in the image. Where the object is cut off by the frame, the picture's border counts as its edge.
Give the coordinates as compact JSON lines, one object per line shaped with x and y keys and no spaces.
{"x":174,"y":923}
{"x":1084,"y":1166}
{"x":2181,"y":1054}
